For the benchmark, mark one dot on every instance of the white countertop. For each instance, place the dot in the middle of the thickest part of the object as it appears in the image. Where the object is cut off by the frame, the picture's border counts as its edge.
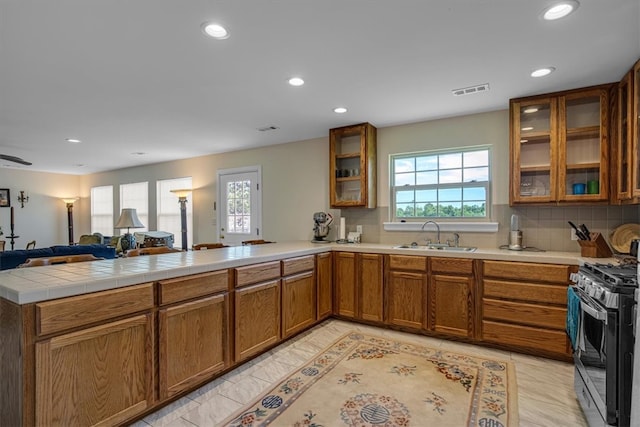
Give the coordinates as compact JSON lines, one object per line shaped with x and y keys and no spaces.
{"x":27,"y":285}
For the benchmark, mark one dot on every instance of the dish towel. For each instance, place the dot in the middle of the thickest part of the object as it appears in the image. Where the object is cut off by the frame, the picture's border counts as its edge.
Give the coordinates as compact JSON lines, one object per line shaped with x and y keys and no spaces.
{"x":573,"y":316}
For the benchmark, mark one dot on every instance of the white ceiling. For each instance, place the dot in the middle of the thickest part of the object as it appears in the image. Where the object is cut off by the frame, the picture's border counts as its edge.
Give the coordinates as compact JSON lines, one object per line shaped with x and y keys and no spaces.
{"x":128,"y":76}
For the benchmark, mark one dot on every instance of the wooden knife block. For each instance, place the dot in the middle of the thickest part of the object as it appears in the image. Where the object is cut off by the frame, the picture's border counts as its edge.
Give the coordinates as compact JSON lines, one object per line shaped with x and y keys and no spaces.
{"x":596,"y":247}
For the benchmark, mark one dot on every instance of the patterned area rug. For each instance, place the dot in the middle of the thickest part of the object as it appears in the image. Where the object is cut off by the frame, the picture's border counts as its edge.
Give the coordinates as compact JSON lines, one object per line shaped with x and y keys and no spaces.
{"x":363,"y":380}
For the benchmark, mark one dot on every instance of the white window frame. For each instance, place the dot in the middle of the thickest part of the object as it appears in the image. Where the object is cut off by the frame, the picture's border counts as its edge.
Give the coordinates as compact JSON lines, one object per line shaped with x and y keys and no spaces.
{"x":484,"y":184}
{"x":102,"y":222}
{"x":136,"y":195}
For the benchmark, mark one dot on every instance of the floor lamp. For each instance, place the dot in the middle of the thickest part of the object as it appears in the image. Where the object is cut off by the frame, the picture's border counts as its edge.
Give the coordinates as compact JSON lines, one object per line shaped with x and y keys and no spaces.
{"x":69,"y":203}
{"x":182,"y":199}
{"x":128,"y":219}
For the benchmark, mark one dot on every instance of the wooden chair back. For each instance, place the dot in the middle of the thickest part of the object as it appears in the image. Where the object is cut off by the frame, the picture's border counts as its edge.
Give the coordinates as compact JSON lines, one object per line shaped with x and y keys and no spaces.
{"x":255,"y":242}
{"x":62,"y":259}
{"x":31,"y":244}
{"x":150,"y":251}
{"x":201,"y":246}
{"x":2,"y":243}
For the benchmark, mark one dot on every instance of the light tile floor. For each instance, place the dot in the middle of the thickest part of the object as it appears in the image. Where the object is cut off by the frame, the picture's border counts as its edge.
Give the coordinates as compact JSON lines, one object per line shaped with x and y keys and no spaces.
{"x":545,"y":387}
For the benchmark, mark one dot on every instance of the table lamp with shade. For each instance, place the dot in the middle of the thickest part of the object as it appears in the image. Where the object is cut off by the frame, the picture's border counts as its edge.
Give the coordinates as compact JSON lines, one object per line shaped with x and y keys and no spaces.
{"x":128,"y":219}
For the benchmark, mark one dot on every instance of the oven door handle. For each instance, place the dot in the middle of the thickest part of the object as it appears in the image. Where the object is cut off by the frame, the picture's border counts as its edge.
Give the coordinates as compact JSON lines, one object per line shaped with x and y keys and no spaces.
{"x":593,"y":312}
{"x":589,"y":306}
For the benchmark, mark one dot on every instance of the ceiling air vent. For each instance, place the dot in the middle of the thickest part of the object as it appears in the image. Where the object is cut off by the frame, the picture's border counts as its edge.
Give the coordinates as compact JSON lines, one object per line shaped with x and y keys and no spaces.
{"x":268,"y":128}
{"x":471,"y":89}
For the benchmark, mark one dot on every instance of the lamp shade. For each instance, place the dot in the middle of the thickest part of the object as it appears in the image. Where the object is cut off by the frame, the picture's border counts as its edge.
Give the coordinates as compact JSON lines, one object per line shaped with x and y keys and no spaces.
{"x":182,"y":192}
{"x":70,"y":200}
{"x":129,"y":219}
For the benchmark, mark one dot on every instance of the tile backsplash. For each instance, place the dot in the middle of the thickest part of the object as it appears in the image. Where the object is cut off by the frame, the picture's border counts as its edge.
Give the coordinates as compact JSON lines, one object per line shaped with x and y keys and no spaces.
{"x":543,"y":227}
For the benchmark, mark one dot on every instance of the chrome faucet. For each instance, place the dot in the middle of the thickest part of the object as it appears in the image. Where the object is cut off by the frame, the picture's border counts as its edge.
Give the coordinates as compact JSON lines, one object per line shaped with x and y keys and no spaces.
{"x":437,"y":228}
{"x":456,"y":240}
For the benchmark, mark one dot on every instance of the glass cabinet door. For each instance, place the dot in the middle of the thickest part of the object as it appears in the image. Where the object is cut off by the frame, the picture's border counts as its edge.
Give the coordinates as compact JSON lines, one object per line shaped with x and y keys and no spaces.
{"x":583,"y":135}
{"x":347,"y":170}
{"x":352,"y":166}
{"x":623,"y":153}
{"x":533,"y":150}
{"x":636,"y":134}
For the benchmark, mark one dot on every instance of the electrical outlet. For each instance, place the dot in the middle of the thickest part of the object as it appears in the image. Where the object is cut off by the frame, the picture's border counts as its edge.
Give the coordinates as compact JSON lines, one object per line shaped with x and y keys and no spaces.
{"x":574,"y":236}
{"x":359,"y":229}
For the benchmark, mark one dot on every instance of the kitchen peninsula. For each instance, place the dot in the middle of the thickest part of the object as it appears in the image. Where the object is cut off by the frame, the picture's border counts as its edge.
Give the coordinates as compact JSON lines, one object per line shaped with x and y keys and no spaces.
{"x":104,"y":342}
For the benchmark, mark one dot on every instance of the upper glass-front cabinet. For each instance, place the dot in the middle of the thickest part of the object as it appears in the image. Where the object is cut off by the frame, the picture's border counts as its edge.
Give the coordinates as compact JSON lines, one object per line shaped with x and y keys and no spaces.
{"x":353,"y":166}
{"x":623,"y":153}
{"x":584,"y":149}
{"x":533,"y":150}
{"x":635,"y":116}
{"x":625,"y":157}
{"x":559,"y":147}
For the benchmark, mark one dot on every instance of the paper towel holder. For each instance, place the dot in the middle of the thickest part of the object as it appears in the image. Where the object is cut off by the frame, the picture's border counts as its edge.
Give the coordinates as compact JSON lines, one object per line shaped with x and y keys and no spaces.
{"x":342,"y":232}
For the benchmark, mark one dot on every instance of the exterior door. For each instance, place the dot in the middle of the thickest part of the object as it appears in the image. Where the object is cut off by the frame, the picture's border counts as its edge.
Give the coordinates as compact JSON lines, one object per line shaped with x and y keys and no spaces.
{"x":239,"y":215}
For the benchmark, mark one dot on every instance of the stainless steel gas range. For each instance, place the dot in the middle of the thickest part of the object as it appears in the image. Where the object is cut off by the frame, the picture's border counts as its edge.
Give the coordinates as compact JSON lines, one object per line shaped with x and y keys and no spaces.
{"x":604,"y":344}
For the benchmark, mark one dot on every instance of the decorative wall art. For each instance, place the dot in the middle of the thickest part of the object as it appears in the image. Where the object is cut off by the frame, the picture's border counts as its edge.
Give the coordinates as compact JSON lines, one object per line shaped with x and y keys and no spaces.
{"x":5,"y":200}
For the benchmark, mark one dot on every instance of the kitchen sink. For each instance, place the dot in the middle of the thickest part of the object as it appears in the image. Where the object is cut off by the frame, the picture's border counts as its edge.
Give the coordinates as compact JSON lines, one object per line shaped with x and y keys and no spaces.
{"x":437,"y":248}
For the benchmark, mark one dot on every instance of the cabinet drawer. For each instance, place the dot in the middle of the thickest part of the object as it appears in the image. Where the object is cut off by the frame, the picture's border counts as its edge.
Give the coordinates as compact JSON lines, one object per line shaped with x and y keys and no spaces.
{"x":297,"y":265}
{"x":257,"y":273}
{"x":407,"y":262}
{"x":187,"y":287}
{"x":452,"y":265}
{"x":532,"y":292}
{"x":67,"y":313}
{"x":548,"y":341}
{"x":527,"y":271}
{"x":529,"y":314}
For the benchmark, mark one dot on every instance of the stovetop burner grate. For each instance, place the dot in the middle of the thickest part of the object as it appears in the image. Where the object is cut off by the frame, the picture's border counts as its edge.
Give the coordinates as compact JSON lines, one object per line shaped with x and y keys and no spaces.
{"x":624,"y":275}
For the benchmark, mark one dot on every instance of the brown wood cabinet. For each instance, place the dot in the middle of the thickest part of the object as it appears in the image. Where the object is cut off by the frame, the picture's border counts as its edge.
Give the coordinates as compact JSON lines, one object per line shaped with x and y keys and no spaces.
{"x":324,"y":276}
{"x":345,"y":284}
{"x":406,"y":291}
{"x":257,"y":309}
{"x":625,"y":155}
{"x":371,"y":287}
{"x":558,"y":140}
{"x":193,"y":334}
{"x":299,"y":294}
{"x":352,"y":171}
{"x":635,"y":142}
{"x":98,"y":374}
{"x":359,"y":280}
{"x":107,"y":357}
{"x":452,"y":296}
{"x":524,"y":306}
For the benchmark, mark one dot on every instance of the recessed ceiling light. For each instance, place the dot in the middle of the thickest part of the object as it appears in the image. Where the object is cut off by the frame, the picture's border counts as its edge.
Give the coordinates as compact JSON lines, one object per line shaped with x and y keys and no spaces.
{"x":560,"y":10}
{"x":215,"y":31}
{"x":340,"y":110}
{"x":73,"y":140}
{"x":527,"y":128}
{"x":296,"y":81}
{"x":530,"y":110}
{"x":541,"y":72}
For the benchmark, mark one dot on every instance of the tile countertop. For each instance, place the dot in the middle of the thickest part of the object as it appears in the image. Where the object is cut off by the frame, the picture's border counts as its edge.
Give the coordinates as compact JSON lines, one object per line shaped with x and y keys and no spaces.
{"x":27,"y":285}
